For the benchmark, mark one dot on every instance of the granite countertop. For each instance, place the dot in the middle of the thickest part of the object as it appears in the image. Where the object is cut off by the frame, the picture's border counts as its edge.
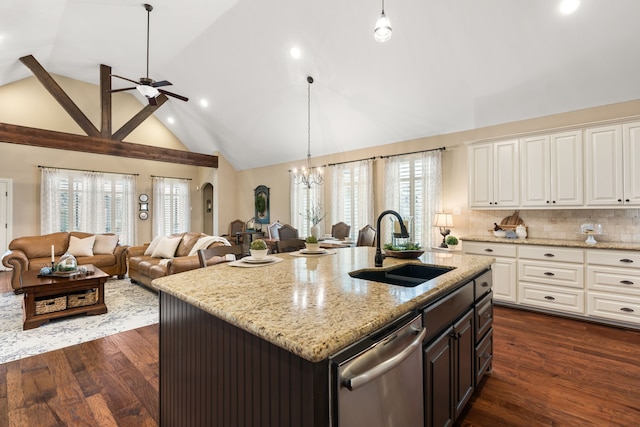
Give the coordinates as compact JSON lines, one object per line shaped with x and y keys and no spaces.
{"x":310,"y":306}
{"x":555,"y":242}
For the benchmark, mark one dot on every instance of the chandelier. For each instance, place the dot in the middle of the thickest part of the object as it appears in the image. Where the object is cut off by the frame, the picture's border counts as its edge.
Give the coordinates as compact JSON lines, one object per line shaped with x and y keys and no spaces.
{"x":308,"y":175}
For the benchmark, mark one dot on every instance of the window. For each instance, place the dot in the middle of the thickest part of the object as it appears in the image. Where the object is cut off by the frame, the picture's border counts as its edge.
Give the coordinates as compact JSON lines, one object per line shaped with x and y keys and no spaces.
{"x":171,"y":206}
{"x":414,"y":189}
{"x":352,"y":194}
{"x":92,"y":202}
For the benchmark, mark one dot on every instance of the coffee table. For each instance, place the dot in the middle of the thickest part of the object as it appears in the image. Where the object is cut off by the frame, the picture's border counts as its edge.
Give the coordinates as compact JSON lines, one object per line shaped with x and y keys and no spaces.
{"x":39,"y":288}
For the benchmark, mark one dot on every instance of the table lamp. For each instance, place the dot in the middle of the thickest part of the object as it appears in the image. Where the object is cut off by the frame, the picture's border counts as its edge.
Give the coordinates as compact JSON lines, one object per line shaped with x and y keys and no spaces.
{"x":443,"y":220}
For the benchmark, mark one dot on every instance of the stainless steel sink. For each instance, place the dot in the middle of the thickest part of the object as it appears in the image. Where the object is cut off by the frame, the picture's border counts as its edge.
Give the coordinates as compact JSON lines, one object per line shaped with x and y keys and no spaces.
{"x":407,"y":275}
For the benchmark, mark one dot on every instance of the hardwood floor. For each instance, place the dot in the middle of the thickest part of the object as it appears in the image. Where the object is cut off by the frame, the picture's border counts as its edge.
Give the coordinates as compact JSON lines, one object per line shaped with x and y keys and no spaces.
{"x":547,"y":371}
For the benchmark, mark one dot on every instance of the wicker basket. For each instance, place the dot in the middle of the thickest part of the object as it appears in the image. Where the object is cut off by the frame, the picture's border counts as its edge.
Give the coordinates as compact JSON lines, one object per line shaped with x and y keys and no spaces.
{"x":88,"y":297}
{"x":51,"y":304}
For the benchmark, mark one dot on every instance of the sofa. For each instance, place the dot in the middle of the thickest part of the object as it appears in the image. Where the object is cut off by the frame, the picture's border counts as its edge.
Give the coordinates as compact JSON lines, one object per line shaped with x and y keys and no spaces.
{"x":34,"y":252}
{"x":167,"y":255}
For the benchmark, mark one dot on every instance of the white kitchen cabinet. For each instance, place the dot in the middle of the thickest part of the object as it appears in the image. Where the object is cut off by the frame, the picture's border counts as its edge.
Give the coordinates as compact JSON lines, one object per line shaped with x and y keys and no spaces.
{"x":612,"y":156}
{"x":613,"y":285}
{"x":494,"y":175}
{"x":503,"y":269}
{"x":551,"y":169}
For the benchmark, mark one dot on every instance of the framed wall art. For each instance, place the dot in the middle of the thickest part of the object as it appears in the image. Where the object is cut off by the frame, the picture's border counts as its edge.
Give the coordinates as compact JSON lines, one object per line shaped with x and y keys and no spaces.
{"x":261,"y":203}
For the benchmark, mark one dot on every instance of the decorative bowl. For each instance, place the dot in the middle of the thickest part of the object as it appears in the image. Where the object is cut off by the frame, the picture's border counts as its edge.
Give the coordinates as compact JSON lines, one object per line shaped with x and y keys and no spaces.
{"x":500,"y":233}
{"x":403,"y":254}
{"x":258,"y":253}
{"x":312,"y":247}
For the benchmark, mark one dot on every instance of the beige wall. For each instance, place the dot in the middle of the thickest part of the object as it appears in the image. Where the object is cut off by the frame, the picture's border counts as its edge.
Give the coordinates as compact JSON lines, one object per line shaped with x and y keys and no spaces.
{"x":27,"y":103}
{"x":454,"y":169}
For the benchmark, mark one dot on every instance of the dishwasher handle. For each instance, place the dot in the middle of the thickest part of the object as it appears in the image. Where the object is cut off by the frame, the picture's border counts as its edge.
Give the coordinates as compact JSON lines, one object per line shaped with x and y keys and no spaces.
{"x":387,"y":364}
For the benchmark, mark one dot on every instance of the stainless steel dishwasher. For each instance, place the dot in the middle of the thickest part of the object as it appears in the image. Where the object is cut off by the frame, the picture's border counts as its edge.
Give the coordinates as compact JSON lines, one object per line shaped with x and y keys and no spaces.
{"x":378,"y":381}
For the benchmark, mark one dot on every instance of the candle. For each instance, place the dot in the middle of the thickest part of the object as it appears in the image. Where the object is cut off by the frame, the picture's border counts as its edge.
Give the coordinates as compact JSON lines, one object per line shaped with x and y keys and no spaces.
{"x":52,"y":257}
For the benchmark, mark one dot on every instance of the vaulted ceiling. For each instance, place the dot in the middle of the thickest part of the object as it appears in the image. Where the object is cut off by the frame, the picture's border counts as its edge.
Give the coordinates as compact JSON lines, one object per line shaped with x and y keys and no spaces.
{"x":450,"y":65}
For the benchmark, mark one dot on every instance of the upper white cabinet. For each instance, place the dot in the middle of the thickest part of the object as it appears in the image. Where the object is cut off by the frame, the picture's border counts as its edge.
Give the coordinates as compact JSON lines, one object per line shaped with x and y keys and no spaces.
{"x":551,"y":168}
{"x":494,"y":175}
{"x":612,"y":159}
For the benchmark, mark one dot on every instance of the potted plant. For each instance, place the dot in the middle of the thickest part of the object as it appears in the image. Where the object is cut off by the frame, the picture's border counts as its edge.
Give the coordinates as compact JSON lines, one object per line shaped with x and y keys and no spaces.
{"x":258,"y":249}
{"x":452,"y":242}
{"x":312,"y":245}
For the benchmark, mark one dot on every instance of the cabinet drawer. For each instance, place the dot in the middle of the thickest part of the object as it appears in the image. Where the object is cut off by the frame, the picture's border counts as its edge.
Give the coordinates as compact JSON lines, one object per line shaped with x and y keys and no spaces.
{"x":442,"y":313}
{"x":614,"y":258}
{"x":549,"y":253}
{"x":483,"y":284}
{"x":484,"y":316}
{"x":493,"y":249}
{"x":552,"y":273}
{"x":551,"y":297}
{"x":623,"y":308}
{"x":484,"y":356}
{"x":617,"y":280}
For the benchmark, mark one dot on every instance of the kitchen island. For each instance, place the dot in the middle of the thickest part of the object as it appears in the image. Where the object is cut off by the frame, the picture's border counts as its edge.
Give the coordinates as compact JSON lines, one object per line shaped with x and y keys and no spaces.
{"x":250,"y":346}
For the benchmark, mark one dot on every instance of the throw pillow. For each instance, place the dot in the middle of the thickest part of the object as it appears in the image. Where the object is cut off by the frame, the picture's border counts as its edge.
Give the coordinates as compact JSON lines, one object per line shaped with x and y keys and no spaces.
{"x":152,"y":246}
{"x":167,"y":247}
{"x":105,"y":244}
{"x":81,"y":247}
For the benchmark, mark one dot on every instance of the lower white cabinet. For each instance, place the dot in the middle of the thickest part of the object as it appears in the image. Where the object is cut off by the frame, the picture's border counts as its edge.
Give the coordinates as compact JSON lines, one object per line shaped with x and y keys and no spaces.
{"x":503,"y":268}
{"x":599,"y":284}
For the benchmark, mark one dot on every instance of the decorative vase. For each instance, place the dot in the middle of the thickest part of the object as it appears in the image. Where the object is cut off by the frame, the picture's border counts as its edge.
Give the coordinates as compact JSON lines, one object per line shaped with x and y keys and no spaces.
{"x":258,"y":253}
{"x":315,"y":231}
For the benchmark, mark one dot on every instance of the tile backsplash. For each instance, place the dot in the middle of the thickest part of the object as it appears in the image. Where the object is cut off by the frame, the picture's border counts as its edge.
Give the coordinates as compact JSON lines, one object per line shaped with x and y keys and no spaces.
{"x":618,"y":225}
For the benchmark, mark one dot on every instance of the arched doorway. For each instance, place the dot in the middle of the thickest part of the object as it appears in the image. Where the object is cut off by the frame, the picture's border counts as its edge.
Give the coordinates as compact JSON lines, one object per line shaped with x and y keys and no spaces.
{"x":207,"y":209}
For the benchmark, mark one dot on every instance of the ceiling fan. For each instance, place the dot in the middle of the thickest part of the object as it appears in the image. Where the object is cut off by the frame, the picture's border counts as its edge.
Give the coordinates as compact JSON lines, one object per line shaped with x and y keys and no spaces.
{"x":147,"y":86}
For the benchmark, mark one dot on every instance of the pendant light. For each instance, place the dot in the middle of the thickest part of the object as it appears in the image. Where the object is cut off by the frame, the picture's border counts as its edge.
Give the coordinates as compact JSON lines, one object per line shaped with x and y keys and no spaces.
{"x":382,"y":31}
{"x":308,"y":175}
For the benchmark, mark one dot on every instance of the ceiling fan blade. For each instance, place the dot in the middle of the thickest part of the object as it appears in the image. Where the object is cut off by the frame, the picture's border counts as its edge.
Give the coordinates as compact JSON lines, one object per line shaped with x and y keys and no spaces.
{"x":124,"y":78}
{"x":121,"y":90}
{"x":180,"y":97}
{"x":161,"y":83}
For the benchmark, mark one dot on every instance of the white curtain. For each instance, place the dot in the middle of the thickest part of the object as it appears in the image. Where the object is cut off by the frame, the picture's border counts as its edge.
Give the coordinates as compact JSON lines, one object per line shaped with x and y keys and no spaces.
{"x":352,"y":194}
{"x":50,"y":215}
{"x":92,"y":202}
{"x":171,"y":206}
{"x":413,"y":187}
{"x":303,"y":200}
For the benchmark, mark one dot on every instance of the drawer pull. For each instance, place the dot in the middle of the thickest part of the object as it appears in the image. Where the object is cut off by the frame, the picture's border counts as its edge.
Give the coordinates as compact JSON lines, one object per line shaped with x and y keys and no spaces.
{"x":488,"y":250}
{"x":549,"y":255}
{"x":627,"y":309}
{"x":550,"y":298}
{"x":548,"y":273}
{"x":626,"y":260}
{"x":626,"y":282}
{"x":484,"y":284}
{"x":487,"y":315}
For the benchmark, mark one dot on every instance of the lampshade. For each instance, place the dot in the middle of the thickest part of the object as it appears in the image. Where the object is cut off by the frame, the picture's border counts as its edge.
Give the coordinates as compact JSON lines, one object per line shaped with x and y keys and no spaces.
{"x":443,"y":220}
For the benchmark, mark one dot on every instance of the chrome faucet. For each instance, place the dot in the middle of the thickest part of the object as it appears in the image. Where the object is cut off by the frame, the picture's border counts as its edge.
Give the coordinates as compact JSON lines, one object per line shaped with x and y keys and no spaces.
{"x":403,"y":234}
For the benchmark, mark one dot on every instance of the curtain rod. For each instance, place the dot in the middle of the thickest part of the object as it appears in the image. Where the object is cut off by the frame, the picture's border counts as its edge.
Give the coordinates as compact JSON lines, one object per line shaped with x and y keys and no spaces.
{"x":85,"y":170}
{"x":414,"y":152}
{"x":169,"y":177}
{"x":349,"y":161}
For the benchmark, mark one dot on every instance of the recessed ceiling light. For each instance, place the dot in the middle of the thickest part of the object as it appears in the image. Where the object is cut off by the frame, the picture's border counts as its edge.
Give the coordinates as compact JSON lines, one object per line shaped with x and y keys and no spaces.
{"x":567,"y":7}
{"x":295,"y":52}
{"x":171,"y":120}
{"x":204,"y":102}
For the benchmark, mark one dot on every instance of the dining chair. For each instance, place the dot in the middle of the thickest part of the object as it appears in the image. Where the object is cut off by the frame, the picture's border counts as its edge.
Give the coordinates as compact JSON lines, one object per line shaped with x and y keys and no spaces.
{"x":289,"y":245}
{"x":216,"y":254}
{"x":236,"y":226}
{"x":273,"y":230}
{"x":340,"y":230}
{"x":366,"y":236}
{"x":287,"y":232}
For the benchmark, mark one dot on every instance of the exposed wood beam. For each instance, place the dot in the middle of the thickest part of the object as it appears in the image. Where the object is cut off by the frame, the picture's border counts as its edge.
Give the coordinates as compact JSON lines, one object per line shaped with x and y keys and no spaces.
{"x":16,"y":134}
{"x":135,"y":121}
{"x":105,"y":101}
{"x":59,"y":95}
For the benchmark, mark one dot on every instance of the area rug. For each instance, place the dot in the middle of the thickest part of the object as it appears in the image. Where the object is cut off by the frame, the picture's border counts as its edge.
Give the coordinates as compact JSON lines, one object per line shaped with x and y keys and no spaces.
{"x":129,"y":307}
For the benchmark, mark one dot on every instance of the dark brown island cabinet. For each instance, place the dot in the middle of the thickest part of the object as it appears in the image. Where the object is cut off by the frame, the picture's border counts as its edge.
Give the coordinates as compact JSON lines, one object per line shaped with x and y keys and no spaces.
{"x":213,"y":373}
